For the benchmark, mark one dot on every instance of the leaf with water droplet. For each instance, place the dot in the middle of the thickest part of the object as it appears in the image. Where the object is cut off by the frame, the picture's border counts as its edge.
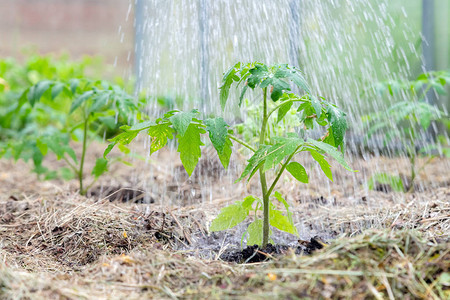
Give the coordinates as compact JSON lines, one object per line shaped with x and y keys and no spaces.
{"x":218,"y":134}
{"x":189,"y":147}
{"x":255,"y":233}
{"x":229,"y":217}
{"x":160,"y":134}
{"x":284,"y":147}
{"x":181,"y":121}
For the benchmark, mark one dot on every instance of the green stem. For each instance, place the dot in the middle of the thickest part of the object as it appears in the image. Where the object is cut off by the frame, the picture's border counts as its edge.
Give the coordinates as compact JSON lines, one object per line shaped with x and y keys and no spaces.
{"x":83,"y":154}
{"x":242,"y":142}
{"x":278,"y":106}
{"x":262,"y":174}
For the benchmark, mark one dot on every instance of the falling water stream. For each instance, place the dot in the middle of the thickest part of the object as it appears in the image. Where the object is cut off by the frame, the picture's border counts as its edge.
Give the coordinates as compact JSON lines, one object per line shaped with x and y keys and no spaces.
{"x":344,"y":48}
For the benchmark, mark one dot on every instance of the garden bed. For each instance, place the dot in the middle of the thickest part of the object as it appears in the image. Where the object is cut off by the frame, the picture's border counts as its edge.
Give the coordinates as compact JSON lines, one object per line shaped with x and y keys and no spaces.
{"x":56,"y":244}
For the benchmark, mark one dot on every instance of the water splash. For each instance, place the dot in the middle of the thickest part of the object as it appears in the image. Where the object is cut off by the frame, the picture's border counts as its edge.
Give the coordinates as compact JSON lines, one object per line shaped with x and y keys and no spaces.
{"x":344,"y":47}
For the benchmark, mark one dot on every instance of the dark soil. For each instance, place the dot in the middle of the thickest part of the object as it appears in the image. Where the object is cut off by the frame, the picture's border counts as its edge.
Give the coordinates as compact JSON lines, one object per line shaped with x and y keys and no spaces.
{"x":254,"y":254}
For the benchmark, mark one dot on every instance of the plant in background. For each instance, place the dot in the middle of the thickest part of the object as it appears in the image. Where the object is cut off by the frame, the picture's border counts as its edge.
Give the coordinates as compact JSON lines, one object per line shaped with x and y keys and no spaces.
{"x":51,"y":126}
{"x":408,"y":122}
{"x":272,"y":155}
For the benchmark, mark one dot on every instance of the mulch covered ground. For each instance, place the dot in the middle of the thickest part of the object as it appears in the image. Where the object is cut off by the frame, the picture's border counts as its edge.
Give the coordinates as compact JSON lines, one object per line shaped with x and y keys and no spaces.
{"x":55,"y":244}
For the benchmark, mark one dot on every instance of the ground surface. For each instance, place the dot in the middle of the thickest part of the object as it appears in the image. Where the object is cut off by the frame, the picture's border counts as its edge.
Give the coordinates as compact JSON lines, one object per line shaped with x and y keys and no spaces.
{"x":55,"y":244}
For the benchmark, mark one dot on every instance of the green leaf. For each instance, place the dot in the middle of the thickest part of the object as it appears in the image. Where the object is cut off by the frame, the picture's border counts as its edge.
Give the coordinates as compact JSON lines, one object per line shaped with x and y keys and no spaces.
{"x":74,"y":85}
{"x":283,"y":110}
{"x":189,"y":147}
{"x":37,"y":90}
{"x":254,"y":162}
{"x":324,"y":165}
{"x":338,"y":123}
{"x":332,"y":151}
{"x":99,"y":100}
{"x":80,"y":100}
{"x":42,"y":146}
{"x":255,"y":233}
{"x":298,"y":171}
{"x":182,"y":120}
{"x":101,"y":166}
{"x":279,"y":86}
{"x":224,"y":157}
{"x":317,"y":105}
{"x":160,"y":134}
{"x":218,"y":134}
{"x":294,"y":74}
{"x":280,"y":221}
{"x":228,"y":78}
{"x":229,"y":217}
{"x":284,"y":147}
{"x":258,"y":73}
{"x":395,"y":182}
{"x":57,"y":89}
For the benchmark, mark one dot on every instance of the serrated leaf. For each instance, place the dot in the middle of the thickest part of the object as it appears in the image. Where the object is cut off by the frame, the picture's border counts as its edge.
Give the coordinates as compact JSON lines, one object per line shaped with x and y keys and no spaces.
{"x":225,"y":156}
{"x":160,"y":134}
{"x":57,"y":89}
{"x":181,"y":121}
{"x":37,"y":90}
{"x":80,"y":100}
{"x":324,"y":165}
{"x":315,"y":103}
{"x":98,"y":101}
{"x":294,"y":74}
{"x":229,"y":217}
{"x":297,"y":171}
{"x":332,"y":151}
{"x":255,"y":233}
{"x":284,"y":147}
{"x":218,"y":133}
{"x":254,"y":162}
{"x":281,"y":222}
{"x":338,"y":123}
{"x":74,"y":85}
{"x":189,"y":147}
{"x":279,"y":86}
{"x":241,"y":97}
{"x":142,"y":125}
{"x":283,"y":110}
{"x":228,"y":78}
{"x":258,"y":73}
{"x":101,"y":166}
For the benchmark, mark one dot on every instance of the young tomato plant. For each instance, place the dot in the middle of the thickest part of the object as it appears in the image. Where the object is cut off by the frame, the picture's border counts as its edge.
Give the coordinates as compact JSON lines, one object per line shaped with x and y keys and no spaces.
{"x":406,"y":121}
{"x":271,"y":154}
{"x":58,"y":112}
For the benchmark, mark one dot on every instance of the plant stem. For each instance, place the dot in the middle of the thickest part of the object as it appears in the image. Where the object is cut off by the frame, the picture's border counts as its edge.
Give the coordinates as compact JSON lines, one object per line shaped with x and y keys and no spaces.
{"x":283,"y":167}
{"x":83,"y":154}
{"x":262,"y":174}
{"x":278,"y":106}
{"x":242,"y":142}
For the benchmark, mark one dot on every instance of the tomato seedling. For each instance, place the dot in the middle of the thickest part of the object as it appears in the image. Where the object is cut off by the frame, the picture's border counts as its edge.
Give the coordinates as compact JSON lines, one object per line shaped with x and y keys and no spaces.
{"x":269,"y":153}
{"x":407,"y":122}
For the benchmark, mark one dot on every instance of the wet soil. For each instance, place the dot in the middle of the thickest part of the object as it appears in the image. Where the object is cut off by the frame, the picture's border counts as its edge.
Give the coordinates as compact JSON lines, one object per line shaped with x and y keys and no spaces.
{"x":255,"y":253}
